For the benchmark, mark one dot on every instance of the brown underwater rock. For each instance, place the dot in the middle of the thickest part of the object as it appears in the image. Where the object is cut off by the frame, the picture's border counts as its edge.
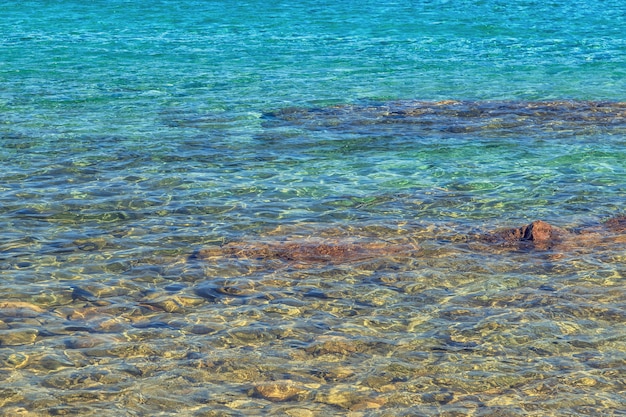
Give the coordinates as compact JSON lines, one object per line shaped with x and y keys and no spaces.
{"x":334,"y":251}
{"x":542,"y":235}
{"x":278,"y":391}
{"x":616,"y":224}
{"x":314,"y":251}
{"x":538,"y":235}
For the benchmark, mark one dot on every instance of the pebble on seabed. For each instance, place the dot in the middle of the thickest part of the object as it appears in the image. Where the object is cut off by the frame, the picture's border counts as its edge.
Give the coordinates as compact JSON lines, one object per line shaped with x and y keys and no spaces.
{"x":18,"y":337}
{"x":20,"y":309}
{"x":278,"y":391}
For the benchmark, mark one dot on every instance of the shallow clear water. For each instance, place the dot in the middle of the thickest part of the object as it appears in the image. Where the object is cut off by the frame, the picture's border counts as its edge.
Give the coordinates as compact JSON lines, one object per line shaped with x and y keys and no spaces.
{"x":280,"y":209}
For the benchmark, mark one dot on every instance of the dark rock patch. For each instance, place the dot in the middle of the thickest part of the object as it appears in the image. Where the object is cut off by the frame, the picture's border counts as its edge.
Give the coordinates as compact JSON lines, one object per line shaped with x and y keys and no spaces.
{"x":329,"y":251}
{"x":459,"y":117}
{"x":616,"y":224}
{"x":536,"y":235}
{"x":339,"y":250}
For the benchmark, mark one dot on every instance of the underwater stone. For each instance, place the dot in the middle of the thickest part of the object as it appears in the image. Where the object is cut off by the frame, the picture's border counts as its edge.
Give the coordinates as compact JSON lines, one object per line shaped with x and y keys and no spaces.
{"x":19,"y":309}
{"x":459,"y":117}
{"x":15,"y":360}
{"x":539,"y":231}
{"x":331,"y":251}
{"x":15,"y":410}
{"x":52,"y":362}
{"x":171,"y":303}
{"x":538,"y":234}
{"x":85,"y":342}
{"x":18,"y":337}
{"x":208,"y":292}
{"x":347,"y":396}
{"x":310,"y":252}
{"x":543,"y":236}
{"x":334,"y":347}
{"x":91,"y":244}
{"x":299,"y":412}
{"x":278,"y":391}
{"x":617,"y":224}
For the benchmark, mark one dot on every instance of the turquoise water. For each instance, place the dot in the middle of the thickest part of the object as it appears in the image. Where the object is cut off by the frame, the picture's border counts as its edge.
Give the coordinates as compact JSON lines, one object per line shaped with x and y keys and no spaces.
{"x":279,"y":209}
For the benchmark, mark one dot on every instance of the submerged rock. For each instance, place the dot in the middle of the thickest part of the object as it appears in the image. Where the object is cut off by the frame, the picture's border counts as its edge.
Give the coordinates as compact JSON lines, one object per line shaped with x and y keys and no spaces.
{"x":544,"y":236}
{"x":538,"y":235}
{"x":278,"y":391}
{"x":340,"y":250}
{"x":335,"y":251}
{"x":459,"y":117}
{"x":335,"y":347}
{"x":18,"y":337}
{"x":11,"y":308}
{"x":616,"y":224}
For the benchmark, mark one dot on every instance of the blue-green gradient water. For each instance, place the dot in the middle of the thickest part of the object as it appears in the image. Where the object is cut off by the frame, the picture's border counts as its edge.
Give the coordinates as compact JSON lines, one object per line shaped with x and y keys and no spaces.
{"x":214,"y":208}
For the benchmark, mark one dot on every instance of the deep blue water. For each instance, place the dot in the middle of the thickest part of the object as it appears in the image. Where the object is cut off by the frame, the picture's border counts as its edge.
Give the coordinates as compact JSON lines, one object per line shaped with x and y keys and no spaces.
{"x":135,"y":135}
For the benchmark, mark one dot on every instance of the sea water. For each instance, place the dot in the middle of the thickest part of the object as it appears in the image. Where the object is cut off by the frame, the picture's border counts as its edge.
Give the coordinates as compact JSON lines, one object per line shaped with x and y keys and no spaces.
{"x":251,"y":208}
